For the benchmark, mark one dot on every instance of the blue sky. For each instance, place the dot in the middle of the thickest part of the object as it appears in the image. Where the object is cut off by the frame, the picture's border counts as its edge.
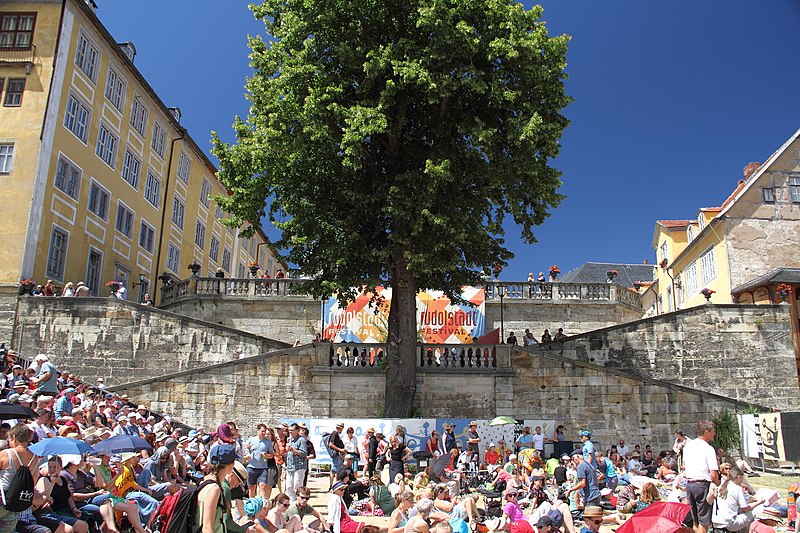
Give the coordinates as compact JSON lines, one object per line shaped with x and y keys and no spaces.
{"x":672,"y":100}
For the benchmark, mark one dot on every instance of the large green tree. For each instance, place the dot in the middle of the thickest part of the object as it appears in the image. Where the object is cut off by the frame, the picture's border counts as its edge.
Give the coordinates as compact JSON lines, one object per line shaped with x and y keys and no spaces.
{"x":389,"y":139}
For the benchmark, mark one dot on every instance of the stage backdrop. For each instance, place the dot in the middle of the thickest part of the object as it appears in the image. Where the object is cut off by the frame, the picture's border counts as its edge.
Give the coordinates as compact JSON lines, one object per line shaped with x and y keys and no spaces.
{"x":439,"y":320}
{"x":418,"y":430}
{"x":772,"y":436}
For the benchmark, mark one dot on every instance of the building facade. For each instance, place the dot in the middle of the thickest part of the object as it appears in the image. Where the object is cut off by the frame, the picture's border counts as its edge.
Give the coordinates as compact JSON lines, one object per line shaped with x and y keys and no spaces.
{"x":755,"y":231}
{"x":100,"y":179}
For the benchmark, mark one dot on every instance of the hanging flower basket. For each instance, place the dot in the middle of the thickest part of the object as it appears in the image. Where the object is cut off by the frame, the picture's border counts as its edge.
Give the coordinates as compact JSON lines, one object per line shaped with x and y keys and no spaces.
{"x":707,"y":293}
{"x":195,"y":267}
{"x":783,"y":291}
{"x":613,"y":273}
{"x":554,"y":272}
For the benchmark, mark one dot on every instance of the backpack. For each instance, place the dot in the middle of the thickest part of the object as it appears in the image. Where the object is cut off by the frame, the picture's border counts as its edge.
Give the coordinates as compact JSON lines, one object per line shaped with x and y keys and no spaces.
{"x":176,"y":512}
{"x":326,"y":443}
{"x":19,"y":496}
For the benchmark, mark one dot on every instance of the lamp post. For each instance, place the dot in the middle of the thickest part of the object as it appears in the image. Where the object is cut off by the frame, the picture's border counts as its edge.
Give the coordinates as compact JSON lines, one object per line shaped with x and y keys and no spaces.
{"x":501,"y":292}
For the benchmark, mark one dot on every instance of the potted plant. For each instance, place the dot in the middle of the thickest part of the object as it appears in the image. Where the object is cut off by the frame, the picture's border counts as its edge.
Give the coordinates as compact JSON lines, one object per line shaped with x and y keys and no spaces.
{"x":194,"y":266}
{"x":254,"y":266}
{"x":613,"y":273}
{"x":783,"y":291}
{"x":554,"y":272}
{"x":707,"y":293}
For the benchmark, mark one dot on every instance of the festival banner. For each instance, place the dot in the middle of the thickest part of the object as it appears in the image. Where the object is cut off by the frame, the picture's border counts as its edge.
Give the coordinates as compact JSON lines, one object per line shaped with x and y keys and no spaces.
{"x":439,"y":321}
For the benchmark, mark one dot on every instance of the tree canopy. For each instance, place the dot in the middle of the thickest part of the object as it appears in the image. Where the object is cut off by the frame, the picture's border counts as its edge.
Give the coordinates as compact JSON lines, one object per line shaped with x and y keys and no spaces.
{"x":389,"y":140}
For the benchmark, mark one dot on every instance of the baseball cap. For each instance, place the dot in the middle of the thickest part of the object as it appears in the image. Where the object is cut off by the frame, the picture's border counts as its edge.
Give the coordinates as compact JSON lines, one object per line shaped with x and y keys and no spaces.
{"x":222,"y":455}
{"x":545,"y":521}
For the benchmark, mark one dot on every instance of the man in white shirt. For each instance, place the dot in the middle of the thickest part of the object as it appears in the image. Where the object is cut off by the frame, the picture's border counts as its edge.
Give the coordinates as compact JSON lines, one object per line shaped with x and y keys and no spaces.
{"x":538,"y":441}
{"x":635,"y":466}
{"x":622,"y":450}
{"x":700,"y":469}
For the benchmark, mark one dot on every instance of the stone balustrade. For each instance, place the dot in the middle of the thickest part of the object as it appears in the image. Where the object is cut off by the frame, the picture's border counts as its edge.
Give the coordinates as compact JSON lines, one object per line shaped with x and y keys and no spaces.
{"x":510,"y":290}
{"x":461,"y":357}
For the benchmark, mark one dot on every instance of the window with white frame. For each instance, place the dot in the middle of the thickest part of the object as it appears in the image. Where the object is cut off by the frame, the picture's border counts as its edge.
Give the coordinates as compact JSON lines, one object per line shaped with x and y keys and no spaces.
{"x":57,"y":253}
{"x":130,"y":169}
{"x":689,"y":232}
{"x":690,"y":280}
{"x":77,"y":116}
{"x":200,"y":235}
{"x":147,"y":235}
{"x":173,"y":258}
{"x":708,"y":266}
{"x":99,"y":199}
{"x":6,"y":158}
{"x":138,"y":114}
{"x":701,"y":221}
{"x":107,"y":144}
{"x":87,"y":56}
{"x":768,"y":194}
{"x":663,"y":251}
{"x":68,"y":177}
{"x":213,"y":250}
{"x":124,"y":222}
{"x":240,"y":272}
{"x":152,"y":189}
{"x":226,"y":260}
{"x":178,"y":211}
{"x":184,"y":167}
{"x":205,"y":193}
{"x":115,"y":88}
{"x":794,"y":190}
{"x":159,"y":140}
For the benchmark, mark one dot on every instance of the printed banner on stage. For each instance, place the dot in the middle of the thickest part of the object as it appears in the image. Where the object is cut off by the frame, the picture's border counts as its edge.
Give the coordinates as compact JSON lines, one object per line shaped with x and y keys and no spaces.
{"x":771,"y":437}
{"x":439,"y":321}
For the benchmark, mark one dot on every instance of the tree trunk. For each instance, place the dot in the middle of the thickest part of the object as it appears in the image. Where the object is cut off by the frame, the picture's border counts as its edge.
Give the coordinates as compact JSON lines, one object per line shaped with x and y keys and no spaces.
{"x":401,"y":374}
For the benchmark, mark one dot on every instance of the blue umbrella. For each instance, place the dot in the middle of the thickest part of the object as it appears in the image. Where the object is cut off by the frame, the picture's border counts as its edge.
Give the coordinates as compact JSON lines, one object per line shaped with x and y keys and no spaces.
{"x":123,"y":443}
{"x":60,"y":446}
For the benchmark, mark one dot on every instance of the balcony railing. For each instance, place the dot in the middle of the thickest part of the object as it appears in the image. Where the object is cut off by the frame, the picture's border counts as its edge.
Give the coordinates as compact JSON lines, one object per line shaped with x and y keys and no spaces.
{"x":556,"y":290}
{"x":546,"y":292}
{"x":461,"y":357}
{"x":10,"y":55}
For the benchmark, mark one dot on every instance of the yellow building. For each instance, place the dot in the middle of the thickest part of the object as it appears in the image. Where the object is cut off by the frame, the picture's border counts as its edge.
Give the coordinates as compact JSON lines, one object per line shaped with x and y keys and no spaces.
{"x":755,"y":231}
{"x":99,"y":179}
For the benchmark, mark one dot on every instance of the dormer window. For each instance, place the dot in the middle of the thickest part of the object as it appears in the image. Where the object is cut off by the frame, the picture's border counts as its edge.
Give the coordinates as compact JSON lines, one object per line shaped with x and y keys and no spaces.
{"x":689,"y":232}
{"x":701,"y":221}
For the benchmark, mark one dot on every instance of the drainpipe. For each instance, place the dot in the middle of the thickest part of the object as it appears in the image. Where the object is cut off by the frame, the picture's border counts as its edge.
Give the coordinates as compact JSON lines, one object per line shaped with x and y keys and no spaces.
{"x":164,"y":214}
{"x":674,"y":302}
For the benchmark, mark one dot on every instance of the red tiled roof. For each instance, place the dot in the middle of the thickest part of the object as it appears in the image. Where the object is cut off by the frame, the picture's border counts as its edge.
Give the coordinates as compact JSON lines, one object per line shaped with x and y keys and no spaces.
{"x":674,"y":223}
{"x":736,"y":191}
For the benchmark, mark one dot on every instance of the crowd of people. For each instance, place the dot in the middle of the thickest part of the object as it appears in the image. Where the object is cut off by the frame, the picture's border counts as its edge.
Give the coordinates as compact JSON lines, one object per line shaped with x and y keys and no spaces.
{"x":260,"y":483}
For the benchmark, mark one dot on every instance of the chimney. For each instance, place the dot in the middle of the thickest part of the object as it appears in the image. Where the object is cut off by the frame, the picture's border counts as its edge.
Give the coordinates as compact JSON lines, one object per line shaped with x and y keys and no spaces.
{"x":749,"y":169}
{"x":128,"y":49}
{"x":646,"y":261}
{"x":91,"y":4}
{"x":176,"y":112}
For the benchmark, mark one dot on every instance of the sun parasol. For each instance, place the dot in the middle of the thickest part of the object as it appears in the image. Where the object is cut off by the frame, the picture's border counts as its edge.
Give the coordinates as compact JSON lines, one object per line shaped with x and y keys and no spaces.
{"x":658,"y":517}
{"x":503,"y":421}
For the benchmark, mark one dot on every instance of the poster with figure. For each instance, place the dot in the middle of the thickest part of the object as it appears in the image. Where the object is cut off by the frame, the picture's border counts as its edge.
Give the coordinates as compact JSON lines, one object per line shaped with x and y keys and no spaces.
{"x":771,"y":437}
{"x":439,"y":320}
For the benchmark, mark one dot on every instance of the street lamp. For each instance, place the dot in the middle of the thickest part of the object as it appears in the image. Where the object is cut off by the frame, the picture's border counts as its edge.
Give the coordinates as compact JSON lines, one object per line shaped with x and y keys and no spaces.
{"x":501,"y":292}
{"x":141,"y":281}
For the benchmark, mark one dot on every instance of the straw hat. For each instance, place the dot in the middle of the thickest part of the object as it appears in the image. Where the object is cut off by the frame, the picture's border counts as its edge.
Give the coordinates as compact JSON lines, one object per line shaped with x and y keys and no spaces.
{"x":593,"y":511}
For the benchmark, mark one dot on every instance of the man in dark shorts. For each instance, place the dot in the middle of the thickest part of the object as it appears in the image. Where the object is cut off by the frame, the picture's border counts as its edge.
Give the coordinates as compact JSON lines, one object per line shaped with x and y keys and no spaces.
{"x":700,"y":469}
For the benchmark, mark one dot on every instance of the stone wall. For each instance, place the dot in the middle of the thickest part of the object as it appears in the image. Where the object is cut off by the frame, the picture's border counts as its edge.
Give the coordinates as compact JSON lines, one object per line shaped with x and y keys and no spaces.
{"x":741,"y":351}
{"x":299,"y":382}
{"x":283,"y":318}
{"x":291,"y":318}
{"x":123,"y":341}
{"x":8,"y":310}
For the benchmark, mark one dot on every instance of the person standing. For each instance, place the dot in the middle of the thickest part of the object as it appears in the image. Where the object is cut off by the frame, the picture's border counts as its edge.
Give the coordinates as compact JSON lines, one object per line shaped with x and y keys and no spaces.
{"x":296,"y":463}
{"x":46,"y":380}
{"x":261,"y":452}
{"x":336,"y":450}
{"x":16,"y":456}
{"x":587,"y":481}
{"x":700,"y":470}
{"x":449,"y":438}
{"x":588,"y":448}
{"x":473,"y":439}
{"x":538,"y":441}
{"x":372,"y":452}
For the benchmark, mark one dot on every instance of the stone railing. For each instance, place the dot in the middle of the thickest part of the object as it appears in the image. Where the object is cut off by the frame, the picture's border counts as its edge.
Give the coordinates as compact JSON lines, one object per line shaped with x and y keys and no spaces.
{"x":545,"y":292}
{"x":229,"y":287}
{"x":466,"y":357}
{"x":556,"y":290}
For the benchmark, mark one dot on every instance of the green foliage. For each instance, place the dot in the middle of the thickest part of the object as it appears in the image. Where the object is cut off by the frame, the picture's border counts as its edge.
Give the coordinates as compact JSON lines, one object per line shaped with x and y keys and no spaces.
{"x":388,"y":141}
{"x":727,"y":427}
{"x":751,"y":410}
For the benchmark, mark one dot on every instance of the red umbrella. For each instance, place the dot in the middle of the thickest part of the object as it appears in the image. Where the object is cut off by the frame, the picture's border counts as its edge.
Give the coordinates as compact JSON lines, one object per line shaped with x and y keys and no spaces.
{"x":658,"y":517}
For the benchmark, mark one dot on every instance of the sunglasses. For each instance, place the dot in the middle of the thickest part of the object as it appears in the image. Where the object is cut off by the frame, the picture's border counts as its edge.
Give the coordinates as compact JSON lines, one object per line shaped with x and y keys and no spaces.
{"x":593,"y":520}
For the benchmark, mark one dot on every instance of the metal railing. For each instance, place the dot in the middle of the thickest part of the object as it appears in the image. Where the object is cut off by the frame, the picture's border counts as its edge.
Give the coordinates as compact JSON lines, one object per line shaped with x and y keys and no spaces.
{"x":10,"y":55}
